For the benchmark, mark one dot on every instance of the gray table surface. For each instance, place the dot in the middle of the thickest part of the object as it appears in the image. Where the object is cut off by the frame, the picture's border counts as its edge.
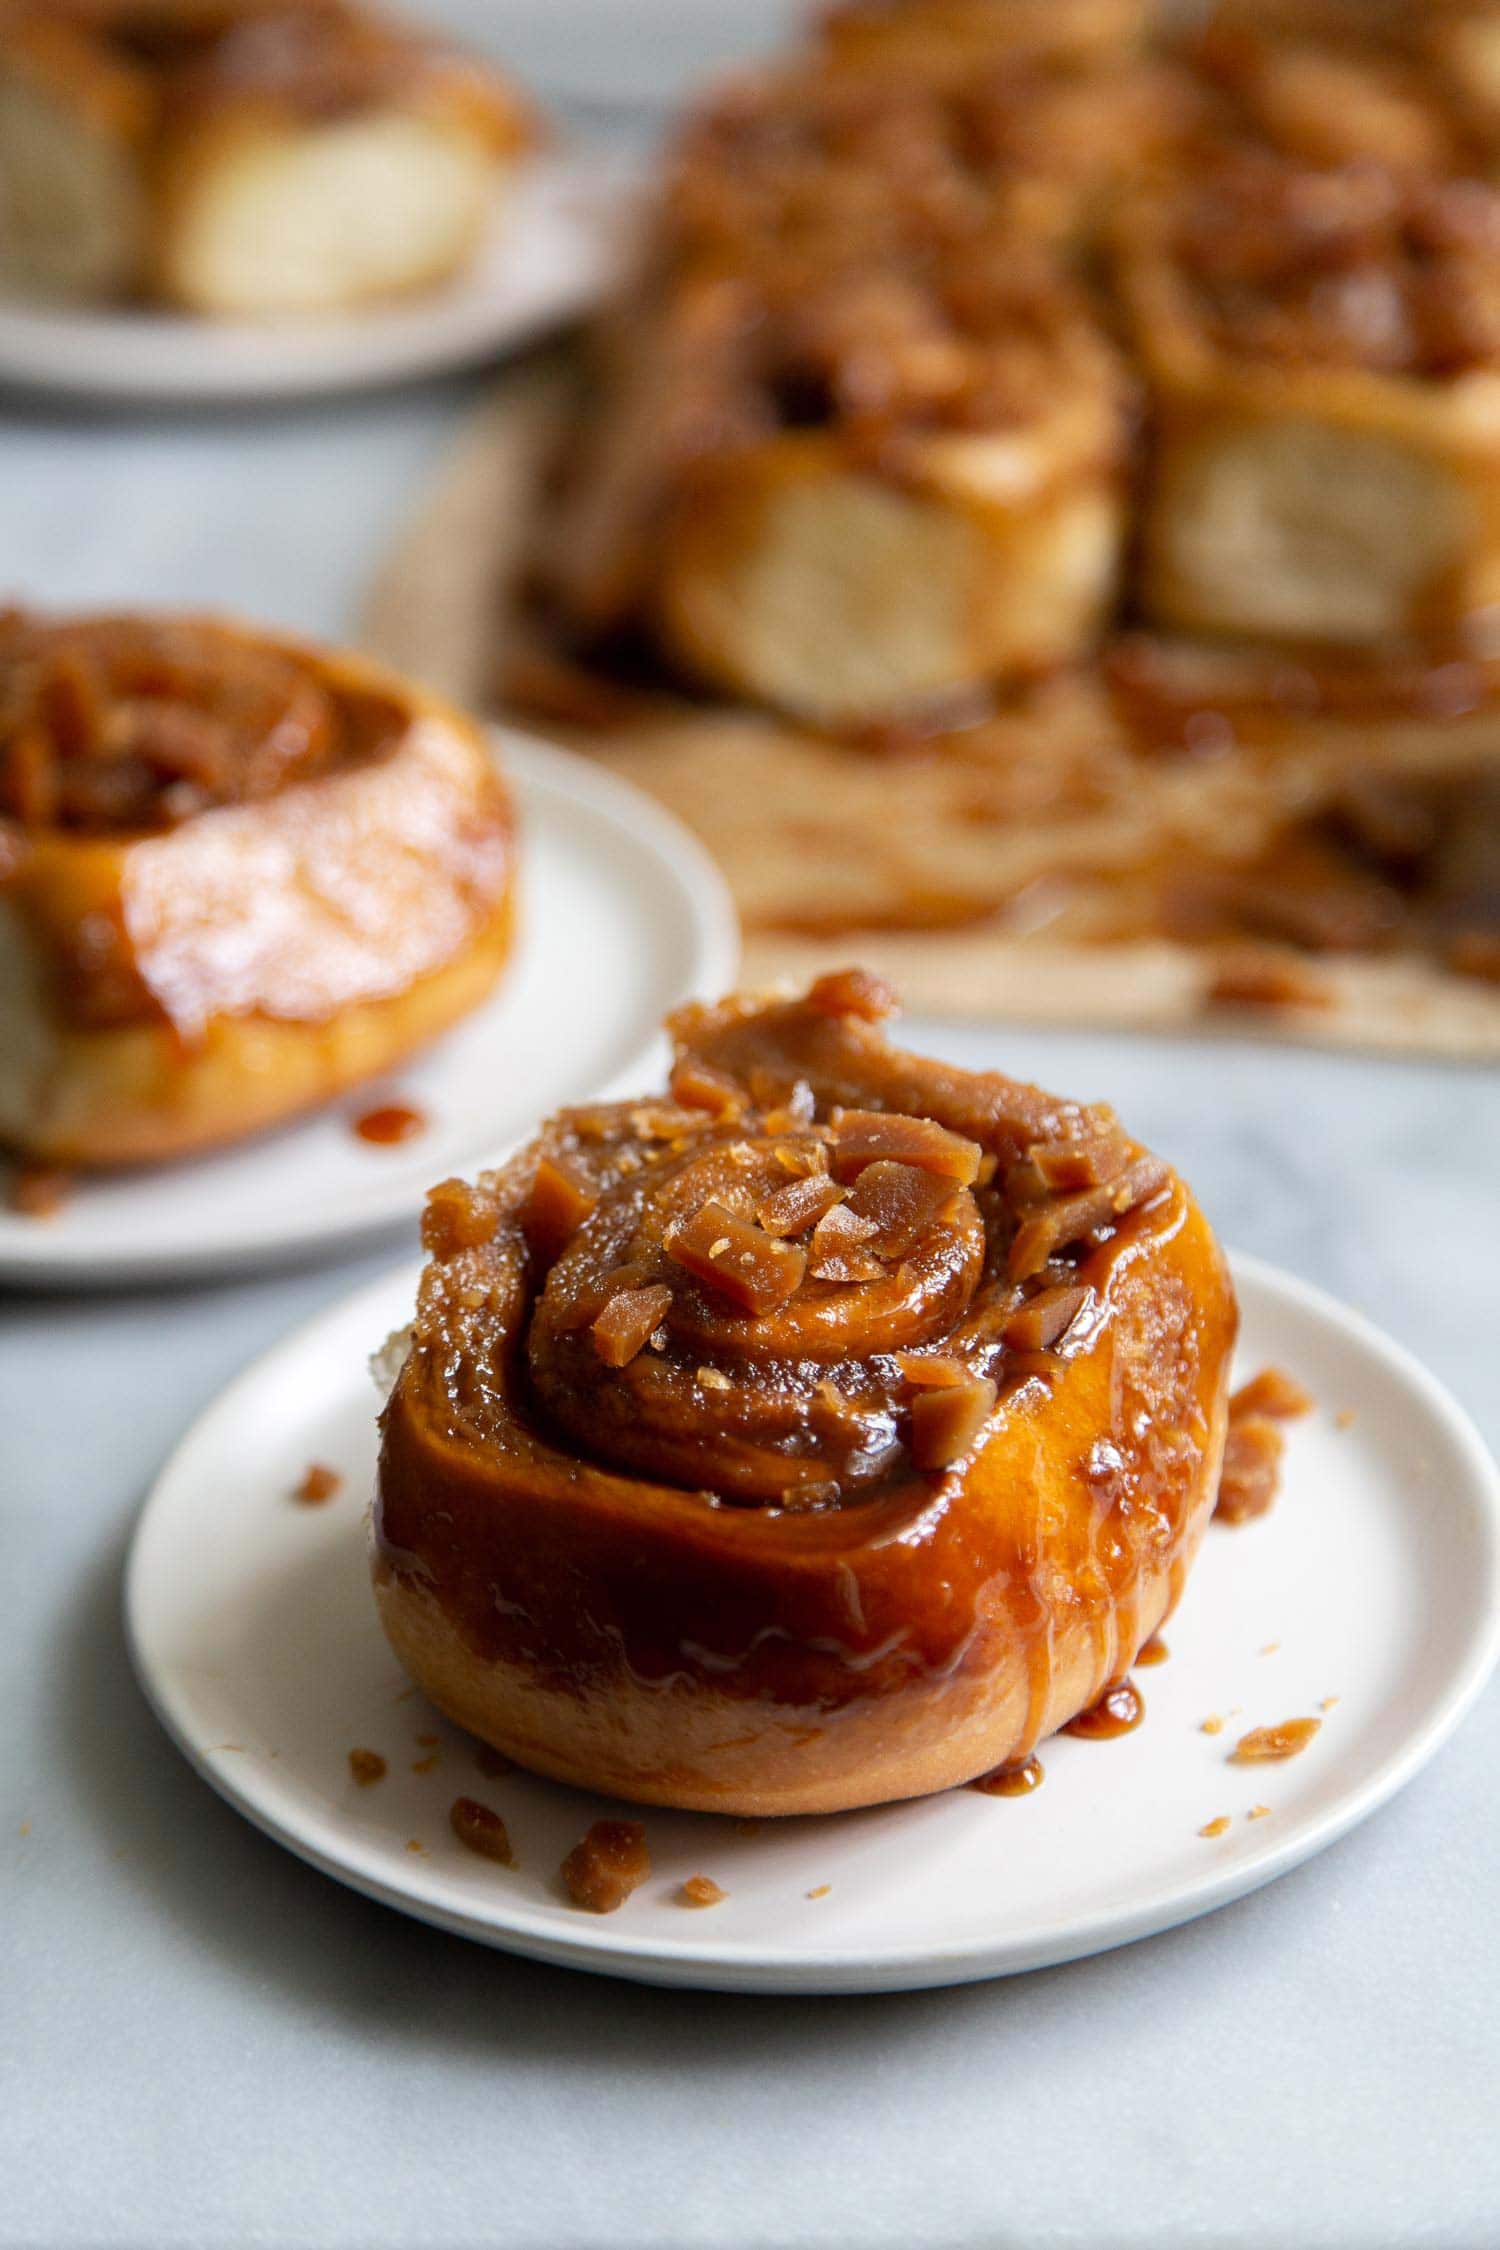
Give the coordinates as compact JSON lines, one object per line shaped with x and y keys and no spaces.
{"x":203,"y":2043}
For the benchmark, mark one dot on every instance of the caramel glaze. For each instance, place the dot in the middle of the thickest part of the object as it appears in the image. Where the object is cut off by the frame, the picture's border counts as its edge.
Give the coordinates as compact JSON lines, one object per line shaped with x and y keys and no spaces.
{"x":1017,"y":1778}
{"x":548,"y":1503}
{"x":1118,"y":1711}
{"x":343,"y":838}
{"x":1154,"y":1651}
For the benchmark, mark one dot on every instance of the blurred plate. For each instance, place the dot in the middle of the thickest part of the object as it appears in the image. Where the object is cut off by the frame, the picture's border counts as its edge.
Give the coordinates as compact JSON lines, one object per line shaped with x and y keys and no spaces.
{"x":622,"y":916}
{"x":560,"y":230}
{"x":1375,"y":1581}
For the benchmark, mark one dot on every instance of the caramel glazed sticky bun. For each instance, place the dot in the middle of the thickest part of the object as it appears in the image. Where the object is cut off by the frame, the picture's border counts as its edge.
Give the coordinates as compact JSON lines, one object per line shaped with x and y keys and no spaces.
{"x":828,"y":1431}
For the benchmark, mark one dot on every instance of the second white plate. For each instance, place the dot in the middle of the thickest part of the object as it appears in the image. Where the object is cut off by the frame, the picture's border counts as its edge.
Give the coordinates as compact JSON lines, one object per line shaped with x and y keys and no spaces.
{"x":556,"y":245}
{"x":1375,"y":1582}
{"x":623,"y":916}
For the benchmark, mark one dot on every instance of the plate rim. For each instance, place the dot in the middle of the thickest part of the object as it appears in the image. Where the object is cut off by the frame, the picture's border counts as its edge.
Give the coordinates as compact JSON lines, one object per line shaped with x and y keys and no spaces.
{"x":692,"y":1962}
{"x":50,"y":1261}
{"x":62,"y":351}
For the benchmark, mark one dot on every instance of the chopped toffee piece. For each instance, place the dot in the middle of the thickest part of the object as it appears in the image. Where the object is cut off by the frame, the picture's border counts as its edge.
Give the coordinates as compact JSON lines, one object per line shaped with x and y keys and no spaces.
{"x":793,"y":1209}
{"x":600,"y":1873}
{"x":1213,"y":1724}
{"x":481,"y":1830}
{"x":821,"y":1891}
{"x":698,"y":1085}
{"x":1258,"y":1812}
{"x":320,"y":1483}
{"x":903,"y":1202}
{"x":1272,"y":1392}
{"x":1067,"y":1219}
{"x":946,"y":1420}
{"x":853,"y":992}
{"x":555,"y":1209}
{"x":39,"y":1191}
{"x":839,"y":1249}
{"x":865,"y":1136}
{"x":753,"y":1270}
{"x":457,"y":1217}
{"x":700,"y":1890}
{"x":626,"y":1323}
{"x":1044,"y":1320}
{"x":934,"y":1370}
{"x":1217,"y":1827}
{"x":1251,"y":1475}
{"x":367,"y":1766}
{"x":1264,"y":1744}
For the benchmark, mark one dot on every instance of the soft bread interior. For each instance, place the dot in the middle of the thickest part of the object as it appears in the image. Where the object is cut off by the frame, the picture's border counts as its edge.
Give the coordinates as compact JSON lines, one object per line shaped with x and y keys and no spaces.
{"x":72,"y":208}
{"x":848,"y":597}
{"x":295,"y":220}
{"x":1302,"y":531}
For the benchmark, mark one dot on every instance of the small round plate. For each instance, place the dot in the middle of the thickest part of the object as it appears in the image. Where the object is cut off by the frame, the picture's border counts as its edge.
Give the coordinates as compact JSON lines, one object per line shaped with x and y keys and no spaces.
{"x":559,"y":232}
{"x":1375,"y":1582}
{"x":623,"y":916}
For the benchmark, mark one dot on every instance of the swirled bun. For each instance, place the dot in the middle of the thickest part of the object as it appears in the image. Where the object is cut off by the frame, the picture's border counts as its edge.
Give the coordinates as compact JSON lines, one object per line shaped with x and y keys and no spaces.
{"x":241,"y":157}
{"x":826,"y":1432}
{"x":237,"y":876}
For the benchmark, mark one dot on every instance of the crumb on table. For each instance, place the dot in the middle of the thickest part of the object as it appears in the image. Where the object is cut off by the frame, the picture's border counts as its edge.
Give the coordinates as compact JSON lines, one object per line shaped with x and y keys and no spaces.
{"x":367,"y":1766}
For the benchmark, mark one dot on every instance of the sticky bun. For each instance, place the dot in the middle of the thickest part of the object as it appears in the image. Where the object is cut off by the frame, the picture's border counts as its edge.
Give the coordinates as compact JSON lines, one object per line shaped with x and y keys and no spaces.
{"x":237,"y":875}
{"x":1322,"y":352}
{"x":824,"y":1432}
{"x":861,"y":447}
{"x":240,"y":158}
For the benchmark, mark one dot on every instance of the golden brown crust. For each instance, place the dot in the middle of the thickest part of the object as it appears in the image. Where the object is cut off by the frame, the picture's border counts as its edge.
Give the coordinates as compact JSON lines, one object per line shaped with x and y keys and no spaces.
{"x":929,"y":1537}
{"x":168,"y":986}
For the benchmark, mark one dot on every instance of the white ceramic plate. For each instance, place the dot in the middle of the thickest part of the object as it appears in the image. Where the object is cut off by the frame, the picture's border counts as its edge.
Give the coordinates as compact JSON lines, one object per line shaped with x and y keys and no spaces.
{"x":1375,"y":1580}
{"x":554,"y":248}
{"x":622,"y":917}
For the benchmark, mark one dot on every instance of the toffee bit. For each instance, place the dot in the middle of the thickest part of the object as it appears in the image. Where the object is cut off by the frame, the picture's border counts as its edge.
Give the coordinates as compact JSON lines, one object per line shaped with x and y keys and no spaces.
{"x":713,"y":1379}
{"x":853,"y":992}
{"x":1217,"y":1827}
{"x":1212,"y":1725}
{"x":1044,"y":1320}
{"x":1258,"y":1812}
{"x":1251,"y":1475}
{"x":904,"y":1202}
{"x":1067,"y":1219}
{"x":457,"y":1217}
{"x":1328,"y":1702}
{"x":555,"y":1209}
{"x":838,"y":1249}
{"x":792,"y":1209}
{"x":865,"y":1136}
{"x":822,"y":1891}
{"x":945,"y":1423}
{"x":367,"y":1767}
{"x":700,"y":1890}
{"x":427,"y":1764}
{"x":937,"y":1371}
{"x":610,"y":1862}
{"x":701,"y":1085}
{"x":481,"y":1830}
{"x":1344,"y":1419}
{"x":39,"y":1191}
{"x":320,"y":1483}
{"x":627,"y":1322}
{"x":754,"y":1271}
{"x":1275,"y":1393}
{"x":1261,"y":1745}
